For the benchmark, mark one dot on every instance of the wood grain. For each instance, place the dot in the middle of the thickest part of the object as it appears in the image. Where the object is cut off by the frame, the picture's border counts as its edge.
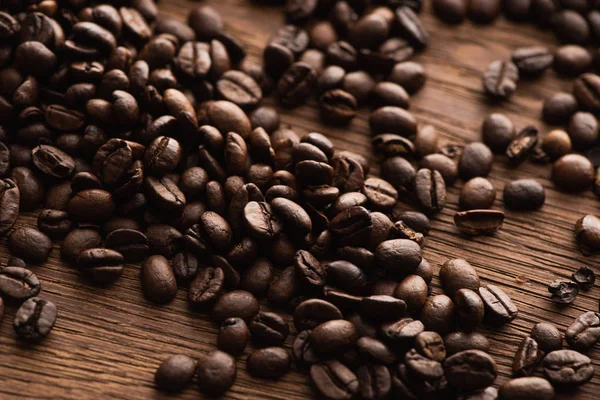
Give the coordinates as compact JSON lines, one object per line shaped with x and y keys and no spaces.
{"x":108,"y":342}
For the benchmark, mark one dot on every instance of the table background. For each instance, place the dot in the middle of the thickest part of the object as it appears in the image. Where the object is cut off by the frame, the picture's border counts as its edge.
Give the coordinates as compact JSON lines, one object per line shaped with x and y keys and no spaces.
{"x":108,"y":342}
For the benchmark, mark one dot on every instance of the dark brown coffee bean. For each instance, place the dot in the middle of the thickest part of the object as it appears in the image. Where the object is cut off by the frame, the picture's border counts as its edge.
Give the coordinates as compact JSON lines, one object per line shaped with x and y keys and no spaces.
{"x":524,"y":194}
{"x":477,"y":193}
{"x":175,"y":373}
{"x":532,"y":60}
{"x":479,"y":222}
{"x":586,"y":233}
{"x":257,"y":277}
{"x":334,"y":337}
{"x":52,"y":161}
{"x":35,"y":319}
{"x":547,"y":336}
{"x":522,"y":145}
{"x":29,"y":244}
{"x":185,"y":266}
{"x":333,"y":380}
{"x":93,"y":205}
{"x":583,"y":130}
{"x":563,"y":292}
{"x":34,"y":58}
{"x":500,"y":79}
{"x":206,"y":287}
{"x":382,"y":307}
{"x":458,"y":274}
{"x":401,"y":334}
{"x":101,"y":265}
{"x":337,"y":106}
{"x":268,"y":329}
{"x":570,"y":27}
{"x":431,"y":345}
{"x":348,"y":175}
{"x":428,"y":374}
{"x":162,"y":156}
{"x":9,"y":205}
{"x":413,"y":290}
{"x":438,"y":314}
{"x":460,"y":341}
{"x":296,"y":84}
{"x":411,"y":26}
{"x":311,"y":313}
{"x":131,"y":243}
{"x":499,"y":308}
{"x":430,"y":189}
{"x":445,"y":165}
{"x":559,"y":108}
{"x":18,"y":282}
{"x":233,"y":336}
{"x":586,"y":89}
{"x":481,"y":11}
{"x":470,"y":370}
{"x":239,"y":88}
{"x":450,"y":11}
{"x":568,"y":368}
{"x":476,"y":160}
{"x":530,"y":387}
{"x":573,"y":173}
{"x":270,"y":362}
{"x":584,"y":332}
{"x":237,"y":303}
{"x":498,"y":132}
{"x":375,"y":381}
{"x":572,"y":60}
{"x":584,"y":277}
{"x":309,"y":269}
{"x":284,"y":287}
{"x":398,"y":256}
{"x":216,"y":372}
{"x":260,"y":221}
{"x":527,"y":357}
{"x":164,"y":240}
{"x":392,"y":119}
{"x":470,"y":309}
{"x":414,"y":219}
{"x":78,"y":240}
{"x":158,"y":281}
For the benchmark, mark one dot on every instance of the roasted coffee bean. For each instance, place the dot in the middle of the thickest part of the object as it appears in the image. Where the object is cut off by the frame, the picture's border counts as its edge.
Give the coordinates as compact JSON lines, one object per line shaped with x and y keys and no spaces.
{"x":530,"y":388}
{"x":431,"y":345}
{"x":375,"y":381}
{"x":427,"y":374}
{"x":175,"y":373}
{"x":484,"y":11}
{"x":346,"y":276}
{"x":411,"y":26}
{"x":216,"y":372}
{"x":29,"y":244}
{"x":584,"y":332}
{"x":500,"y":79}
{"x":348,"y":175}
{"x":532,"y":60}
{"x":392,"y":119}
{"x":450,"y":11}
{"x":206,"y":288}
{"x":239,"y":88}
{"x":302,"y":350}
{"x":268,"y":329}
{"x":260,"y":221}
{"x":489,"y":393}
{"x":587,"y":233}
{"x":476,"y":160}
{"x":334,"y":336}
{"x":283,"y":288}
{"x":430,"y":189}
{"x":460,"y":341}
{"x":164,"y":240}
{"x":9,"y":205}
{"x":415,"y":220}
{"x":563,"y":292}
{"x":498,"y":132}
{"x":296,"y":84}
{"x":559,"y":108}
{"x":162,"y":156}
{"x":402,"y":333}
{"x":586,"y":90}
{"x":308,"y":269}
{"x":131,"y":243}
{"x":573,"y":173}
{"x":165,"y":194}
{"x":522,"y":145}
{"x":18,"y":283}
{"x":398,"y":256}
{"x":257,"y":277}
{"x":185,"y":266}
{"x":237,"y":303}
{"x":470,"y":370}
{"x":78,"y":240}
{"x":382,"y":307}
{"x":53,"y":162}
{"x":92,"y":205}
{"x":527,"y":357}
{"x":469,"y":308}
{"x":443,"y":164}
{"x":499,"y":308}
{"x":582,"y":130}
{"x":479,"y":222}
{"x":333,"y":380}
{"x":233,"y":336}
{"x":101,"y":265}
{"x":477,"y":193}
{"x":568,"y":368}
{"x":570,"y":27}
{"x":584,"y":277}
{"x":313,"y":312}
{"x":337,"y":106}
{"x":35,"y":319}
{"x":375,"y":351}
{"x":158,"y":281}
{"x":524,"y":194}
{"x":270,"y":362}
{"x":413,"y":290}
{"x":572,"y":60}
{"x":547,"y":336}
{"x":438,"y":314}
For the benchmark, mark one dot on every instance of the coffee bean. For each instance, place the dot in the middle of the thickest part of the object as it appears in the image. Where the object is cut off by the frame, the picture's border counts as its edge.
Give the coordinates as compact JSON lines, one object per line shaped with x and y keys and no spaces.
{"x":498,"y":132}
{"x":527,"y":357}
{"x":237,"y":303}
{"x":92,"y":205}
{"x":563,"y":292}
{"x":532,"y":60}
{"x":427,"y":374}
{"x":348,"y":175}
{"x":337,"y":106}
{"x":270,"y":362}
{"x":392,"y":119}
{"x":415,"y":220}
{"x":334,"y":336}
{"x":484,"y":11}
{"x":430,"y":189}
{"x":476,"y":160}
{"x":296,"y":84}
{"x":313,"y":312}
{"x":9,"y":205}
{"x":547,"y":336}
{"x":586,"y":233}
{"x":398,"y":256}
{"x":586,"y":90}
{"x":584,"y":277}
{"x":233,"y":336}
{"x":438,"y":314}
{"x":402,"y":333}
{"x":572,"y":60}
{"x":162,"y":155}
{"x":431,"y":345}
{"x":382,"y":307}
{"x":18,"y":282}
{"x":584,"y":332}
{"x":477,"y":193}
{"x":268,"y":329}
{"x":375,"y":351}
{"x":239,"y":88}
{"x":216,"y":372}
{"x":559,"y":108}
{"x":450,"y":11}
{"x":489,"y":393}
{"x":500,"y":79}
{"x":102,"y":265}
{"x":78,"y":240}
{"x":470,"y":309}
{"x":411,"y":26}
{"x":445,"y":165}
{"x":374,"y":381}
{"x":131,"y":243}
{"x":175,"y":373}
{"x":583,"y":130}
{"x":164,"y":240}
{"x":568,"y":368}
{"x":207,"y":287}
{"x":470,"y":370}
{"x":413,"y":291}
{"x":499,"y":308}
{"x":573,"y":173}
{"x":284,"y":287}
{"x":35,"y":319}
{"x":302,"y":350}
{"x":158,"y":281}
{"x":333,"y":380}
{"x":260,"y":221}
{"x":29,"y":244}
{"x":530,"y":387}
{"x":570,"y":27}
{"x":460,"y":341}
{"x":479,"y":222}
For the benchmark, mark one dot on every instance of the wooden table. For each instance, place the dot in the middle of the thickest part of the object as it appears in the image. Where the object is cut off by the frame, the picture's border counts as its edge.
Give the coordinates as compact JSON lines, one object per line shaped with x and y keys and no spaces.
{"x":108,"y":342}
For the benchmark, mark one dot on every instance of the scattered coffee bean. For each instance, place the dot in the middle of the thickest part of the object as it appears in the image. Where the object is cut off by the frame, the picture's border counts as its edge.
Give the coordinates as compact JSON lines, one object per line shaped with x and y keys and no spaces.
{"x":477,"y":193}
{"x":584,"y":332}
{"x":531,"y":387}
{"x":563,"y":292}
{"x":584,"y":277}
{"x":559,"y":108}
{"x":547,"y":336}
{"x":500,"y":79}
{"x":35,"y":319}
{"x":527,"y":357}
{"x":216,"y":372}
{"x":499,"y":308}
{"x":479,"y":222}
{"x":568,"y":368}
{"x":18,"y":283}
{"x":270,"y":362}
{"x":470,"y":370}
{"x":175,"y":373}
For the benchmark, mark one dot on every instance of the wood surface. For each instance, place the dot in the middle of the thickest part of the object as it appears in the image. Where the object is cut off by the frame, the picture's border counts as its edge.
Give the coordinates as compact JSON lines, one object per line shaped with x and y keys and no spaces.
{"x":108,"y":342}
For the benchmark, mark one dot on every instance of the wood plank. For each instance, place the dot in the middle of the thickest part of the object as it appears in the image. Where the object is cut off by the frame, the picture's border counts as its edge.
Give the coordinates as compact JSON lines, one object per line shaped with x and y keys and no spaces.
{"x":108,"y":341}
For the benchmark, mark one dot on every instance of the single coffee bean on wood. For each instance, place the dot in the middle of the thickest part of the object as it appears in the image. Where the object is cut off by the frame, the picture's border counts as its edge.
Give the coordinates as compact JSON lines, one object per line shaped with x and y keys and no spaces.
{"x":216,"y":372}
{"x":175,"y":373}
{"x":527,"y":388}
{"x":35,"y":319}
{"x":568,"y":368}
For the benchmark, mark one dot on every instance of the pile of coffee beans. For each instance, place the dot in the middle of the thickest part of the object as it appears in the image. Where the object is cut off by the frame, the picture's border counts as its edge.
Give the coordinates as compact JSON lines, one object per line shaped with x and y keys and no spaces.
{"x":141,"y":139}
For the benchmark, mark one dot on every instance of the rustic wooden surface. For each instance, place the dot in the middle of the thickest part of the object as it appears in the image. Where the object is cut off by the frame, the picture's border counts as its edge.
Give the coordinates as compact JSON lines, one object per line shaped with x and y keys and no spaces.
{"x":108,"y":342}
